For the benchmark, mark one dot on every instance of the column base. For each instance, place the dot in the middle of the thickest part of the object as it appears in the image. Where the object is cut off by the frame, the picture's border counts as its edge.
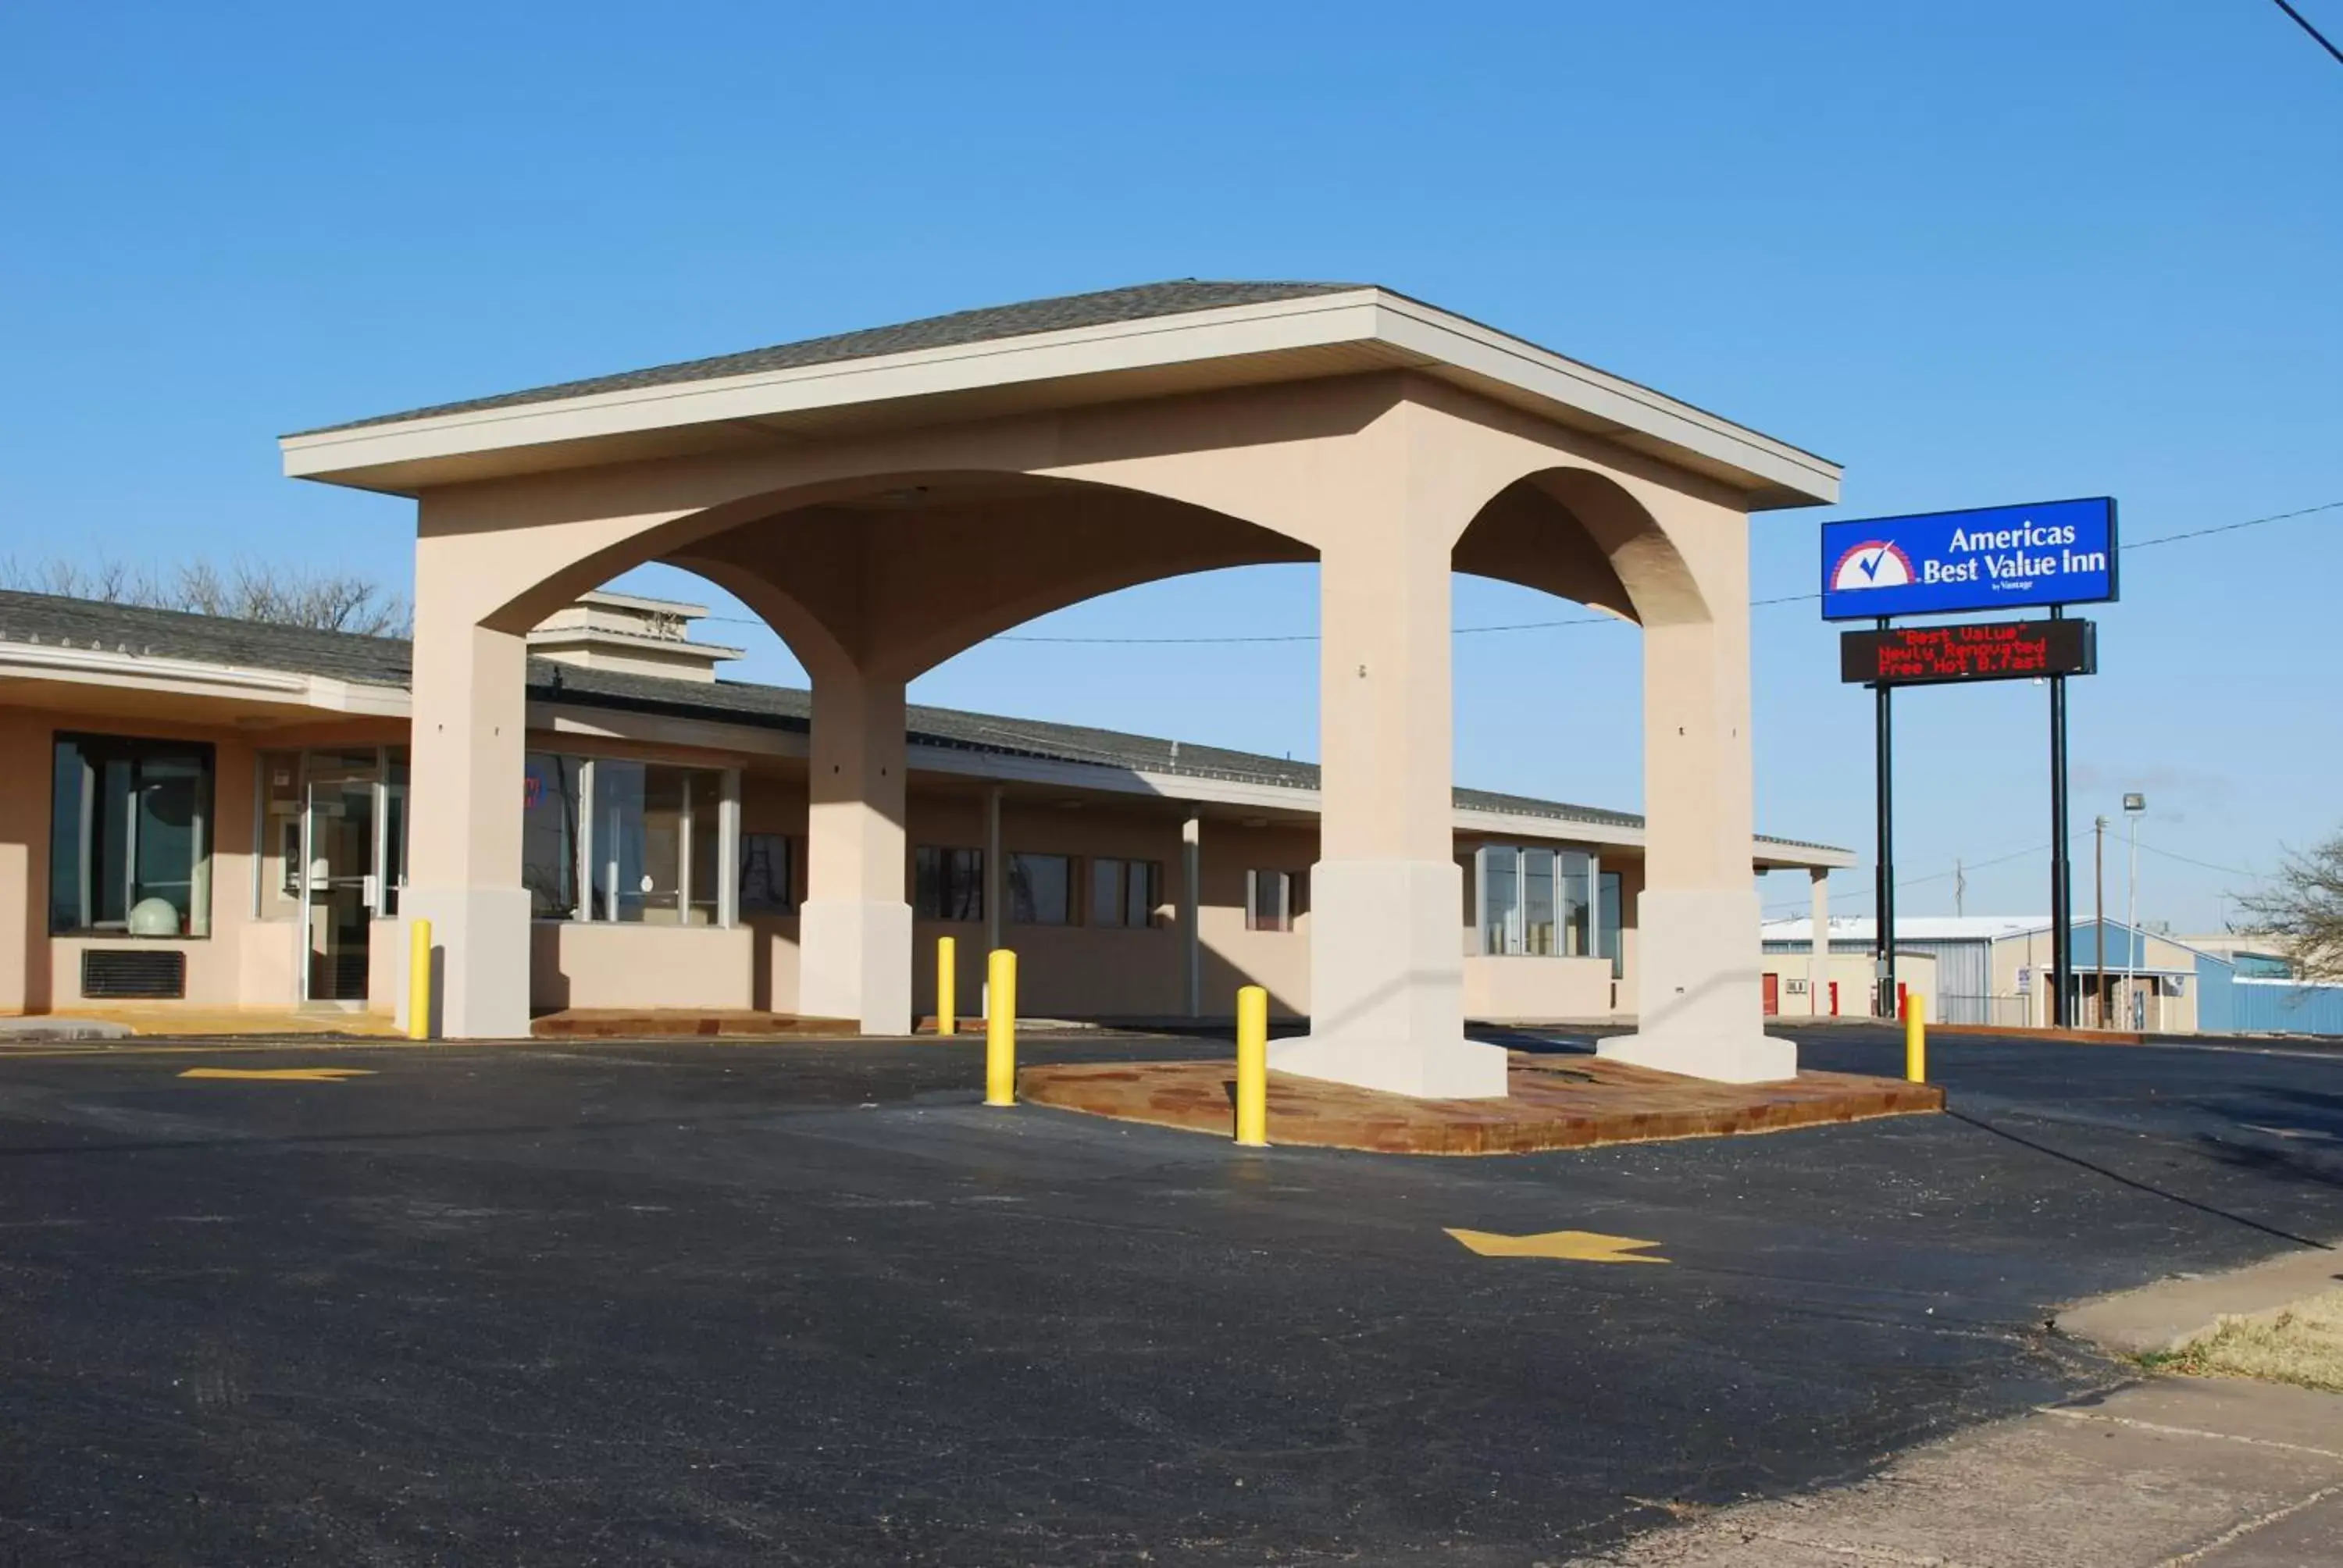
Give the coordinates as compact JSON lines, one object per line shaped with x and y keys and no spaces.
{"x":1760,"y":1060}
{"x":1455,"y":1068}
{"x":480,"y":942}
{"x":854,"y":961}
{"x":1700,"y":991}
{"x":1387,"y":984}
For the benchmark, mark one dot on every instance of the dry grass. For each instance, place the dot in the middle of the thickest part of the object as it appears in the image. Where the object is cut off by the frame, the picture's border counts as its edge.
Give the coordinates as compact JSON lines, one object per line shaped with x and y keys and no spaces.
{"x":2302,"y":1344}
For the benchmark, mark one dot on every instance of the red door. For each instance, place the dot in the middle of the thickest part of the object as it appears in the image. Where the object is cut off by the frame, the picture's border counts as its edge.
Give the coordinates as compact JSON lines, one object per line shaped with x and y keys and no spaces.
{"x":1773,"y":995}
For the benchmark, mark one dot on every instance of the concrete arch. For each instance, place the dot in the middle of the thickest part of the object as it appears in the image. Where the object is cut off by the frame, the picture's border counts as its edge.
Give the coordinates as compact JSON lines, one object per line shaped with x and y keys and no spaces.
{"x":895,"y":591}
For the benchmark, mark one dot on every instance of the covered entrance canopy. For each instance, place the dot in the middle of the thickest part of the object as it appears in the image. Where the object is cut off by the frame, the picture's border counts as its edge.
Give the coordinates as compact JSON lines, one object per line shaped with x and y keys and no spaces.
{"x":886,"y":499}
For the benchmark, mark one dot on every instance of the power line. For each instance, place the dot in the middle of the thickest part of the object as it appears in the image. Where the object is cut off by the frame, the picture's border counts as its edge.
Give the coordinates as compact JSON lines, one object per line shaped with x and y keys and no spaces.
{"x":2304,"y":23}
{"x":1958,"y":866}
{"x":2205,"y":865}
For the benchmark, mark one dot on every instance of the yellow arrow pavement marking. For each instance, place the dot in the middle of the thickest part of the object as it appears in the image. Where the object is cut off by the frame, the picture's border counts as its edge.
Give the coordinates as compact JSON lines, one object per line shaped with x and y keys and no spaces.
{"x":281,"y":1074}
{"x":1577,"y":1246}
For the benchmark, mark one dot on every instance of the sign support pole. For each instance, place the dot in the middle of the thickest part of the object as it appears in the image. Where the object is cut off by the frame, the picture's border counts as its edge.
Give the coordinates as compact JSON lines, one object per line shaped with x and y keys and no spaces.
{"x":2062,"y":911}
{"x":1882,"y":899}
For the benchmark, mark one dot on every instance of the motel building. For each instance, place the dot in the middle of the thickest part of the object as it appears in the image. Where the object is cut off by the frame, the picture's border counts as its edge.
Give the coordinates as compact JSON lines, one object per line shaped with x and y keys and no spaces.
{"x":206,"y":812}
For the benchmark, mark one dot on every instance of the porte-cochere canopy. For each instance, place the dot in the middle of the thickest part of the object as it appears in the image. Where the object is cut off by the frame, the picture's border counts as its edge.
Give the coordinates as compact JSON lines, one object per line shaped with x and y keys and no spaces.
{"x":886,"y":499}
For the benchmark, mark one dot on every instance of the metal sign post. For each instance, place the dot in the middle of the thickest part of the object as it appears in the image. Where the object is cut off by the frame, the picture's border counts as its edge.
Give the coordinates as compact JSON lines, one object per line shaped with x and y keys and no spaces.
{"x":2049,"y":554}
{"x":1883,"y":900}
{"x":2062,"y":907}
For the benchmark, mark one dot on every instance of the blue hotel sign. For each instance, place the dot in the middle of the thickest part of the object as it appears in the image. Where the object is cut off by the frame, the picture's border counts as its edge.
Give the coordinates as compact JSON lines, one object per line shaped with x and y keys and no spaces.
{"x":1989,"y":559}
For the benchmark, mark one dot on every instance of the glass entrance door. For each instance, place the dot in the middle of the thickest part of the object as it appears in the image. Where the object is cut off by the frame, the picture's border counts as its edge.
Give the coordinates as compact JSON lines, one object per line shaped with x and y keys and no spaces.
{"x":341,"y":894}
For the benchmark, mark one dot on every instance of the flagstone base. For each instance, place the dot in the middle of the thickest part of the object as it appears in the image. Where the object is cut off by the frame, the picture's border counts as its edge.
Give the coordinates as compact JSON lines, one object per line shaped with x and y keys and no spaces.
{"x":1551,"y":1102}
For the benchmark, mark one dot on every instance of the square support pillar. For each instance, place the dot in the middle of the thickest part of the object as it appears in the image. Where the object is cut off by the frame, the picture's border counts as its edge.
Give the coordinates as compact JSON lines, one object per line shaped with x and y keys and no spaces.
{"x":855,"y":926}
{"x":1386,"y":970}
{"x":464,"y":855}
{"x":1818,"y":949}
{"x":1699,"y":986}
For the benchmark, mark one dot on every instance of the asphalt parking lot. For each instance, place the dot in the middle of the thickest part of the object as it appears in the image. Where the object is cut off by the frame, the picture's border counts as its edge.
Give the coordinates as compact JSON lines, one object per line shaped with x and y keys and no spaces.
{"x":809,"y":1303}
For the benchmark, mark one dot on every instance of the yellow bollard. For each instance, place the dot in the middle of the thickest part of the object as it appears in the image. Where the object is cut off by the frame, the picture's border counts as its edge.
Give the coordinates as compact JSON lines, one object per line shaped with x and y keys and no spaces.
{"x":1916,"y":1037}
{"x":947,"y":972}
{"x":418,"y":980}
{"x":1252,"y":1066}
{"x":1001,"y":1029}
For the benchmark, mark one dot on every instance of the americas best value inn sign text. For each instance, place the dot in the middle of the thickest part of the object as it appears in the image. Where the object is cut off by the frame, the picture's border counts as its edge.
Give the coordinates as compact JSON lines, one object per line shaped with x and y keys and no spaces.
{"x":1989,"y":559}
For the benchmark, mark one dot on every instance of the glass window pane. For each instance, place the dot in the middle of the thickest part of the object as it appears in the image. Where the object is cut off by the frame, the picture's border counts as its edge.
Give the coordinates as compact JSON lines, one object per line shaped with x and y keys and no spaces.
{"x":130,"y":825}
{"x":947,"y":884}
{"x":766,"y":880}
{"x":1106,"y":892}
{"x":1537,"y":903}
{"x":1610,"y":916}
{"x":966,"y":885}
{"x":1576,"y":932}
{"x":707,"y":807}
{"x":1039,"y":889}
{"x":619,"y":840}
{"x":549,"y":835}
{"x":1267,"y":904}
{"x":1139,"y":893}
{"x":1501,"y":908}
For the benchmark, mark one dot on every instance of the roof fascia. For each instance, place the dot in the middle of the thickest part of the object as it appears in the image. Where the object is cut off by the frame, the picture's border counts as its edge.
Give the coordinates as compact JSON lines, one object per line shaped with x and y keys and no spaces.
{"x":196,"y":678}
{"x":1414,"y":334}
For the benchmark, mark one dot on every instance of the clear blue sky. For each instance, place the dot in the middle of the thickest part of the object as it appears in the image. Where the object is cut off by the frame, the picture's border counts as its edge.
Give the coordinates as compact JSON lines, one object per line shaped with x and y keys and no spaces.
{"x":1980,"y":253}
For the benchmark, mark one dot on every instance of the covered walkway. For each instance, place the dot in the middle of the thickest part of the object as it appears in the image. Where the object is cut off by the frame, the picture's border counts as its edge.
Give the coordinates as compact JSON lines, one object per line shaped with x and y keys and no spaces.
{"x":887,"y":499}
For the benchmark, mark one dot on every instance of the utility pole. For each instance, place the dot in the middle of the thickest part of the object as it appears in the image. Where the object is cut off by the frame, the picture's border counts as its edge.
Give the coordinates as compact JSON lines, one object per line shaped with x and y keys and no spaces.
{"x":1960,"y":888}
{"x":2099,"y":906}
{"x":2135,"y":807}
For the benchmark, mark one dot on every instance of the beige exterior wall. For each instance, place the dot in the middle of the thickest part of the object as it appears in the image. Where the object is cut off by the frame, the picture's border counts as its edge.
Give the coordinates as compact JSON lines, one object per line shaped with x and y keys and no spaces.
{"x":246,"y":961}
{"x":578,"y":964}
{"x":1537,"y":989}
{"x":1075,"y":970}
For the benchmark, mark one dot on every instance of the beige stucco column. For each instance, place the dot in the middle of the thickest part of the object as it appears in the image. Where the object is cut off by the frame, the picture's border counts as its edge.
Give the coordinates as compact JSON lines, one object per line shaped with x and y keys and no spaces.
{"x":855,"y":927}
{"x":1386,"y":972}
{"x":1818,"y":950}
{"x":464,"y":852}
{"x":1700,"y":990}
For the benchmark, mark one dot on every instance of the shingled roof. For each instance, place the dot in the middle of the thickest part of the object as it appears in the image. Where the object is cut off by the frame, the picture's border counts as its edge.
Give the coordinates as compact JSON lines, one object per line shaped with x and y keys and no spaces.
{"x":1067,"y":312}
{"x":388,"y":662}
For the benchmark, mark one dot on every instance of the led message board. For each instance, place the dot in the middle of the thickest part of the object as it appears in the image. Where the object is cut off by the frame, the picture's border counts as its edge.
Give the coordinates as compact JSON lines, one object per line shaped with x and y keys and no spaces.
{"x":1969,"y":650}
{"x":1985,"y":559}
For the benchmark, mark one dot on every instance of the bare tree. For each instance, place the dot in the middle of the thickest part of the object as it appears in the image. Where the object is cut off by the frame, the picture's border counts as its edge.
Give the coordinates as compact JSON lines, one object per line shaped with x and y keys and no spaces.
{"x":245,"y":589}
{"x":2303,"y":909}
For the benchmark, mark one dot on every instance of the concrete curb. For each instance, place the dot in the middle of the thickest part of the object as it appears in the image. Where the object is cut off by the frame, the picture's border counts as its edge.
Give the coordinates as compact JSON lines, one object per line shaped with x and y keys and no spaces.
{"x":2169,"y":1315}
{"x":45,"y":1030}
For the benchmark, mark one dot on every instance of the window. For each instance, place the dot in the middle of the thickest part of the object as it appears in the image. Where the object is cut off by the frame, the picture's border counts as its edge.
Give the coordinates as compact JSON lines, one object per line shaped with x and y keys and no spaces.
{"x":1275,"y":900}
{"x":947,"y":884}
{"x":130,"y":836}
{"x":1040,"y":889}
{"x":656,"y":836}
{"x":549,"y":835}
{"x":1607,"y":926}
{"x":1533,"y":901}
{"x":1125,"y":893}
{"x":768,"y":881}
{"x":606,"y":839}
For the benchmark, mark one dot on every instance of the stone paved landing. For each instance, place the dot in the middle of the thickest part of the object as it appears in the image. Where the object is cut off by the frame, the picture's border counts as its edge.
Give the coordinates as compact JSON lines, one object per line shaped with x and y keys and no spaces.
{"x":1555,"y":1103}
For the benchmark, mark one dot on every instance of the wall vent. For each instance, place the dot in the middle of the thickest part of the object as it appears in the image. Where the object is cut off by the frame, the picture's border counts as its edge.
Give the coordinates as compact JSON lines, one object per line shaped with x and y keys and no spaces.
{"x":109,"y":973}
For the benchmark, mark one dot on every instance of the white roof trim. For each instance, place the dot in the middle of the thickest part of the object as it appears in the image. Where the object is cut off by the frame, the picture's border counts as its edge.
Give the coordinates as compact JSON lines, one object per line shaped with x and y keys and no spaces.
{"x":101,"y":667}
{"x":1413,"y":330}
